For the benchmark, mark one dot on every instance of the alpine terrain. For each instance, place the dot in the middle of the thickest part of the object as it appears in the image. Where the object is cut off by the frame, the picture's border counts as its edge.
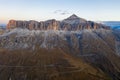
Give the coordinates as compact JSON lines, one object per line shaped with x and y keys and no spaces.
{"x":71,"y":49}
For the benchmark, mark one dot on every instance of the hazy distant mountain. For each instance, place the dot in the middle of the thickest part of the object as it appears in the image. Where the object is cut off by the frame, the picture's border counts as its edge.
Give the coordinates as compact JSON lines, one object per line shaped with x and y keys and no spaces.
{"x":2,"y":25}
{"x":113,"y":24}
{"x":2,"y":28}
{"x":59,"y":50}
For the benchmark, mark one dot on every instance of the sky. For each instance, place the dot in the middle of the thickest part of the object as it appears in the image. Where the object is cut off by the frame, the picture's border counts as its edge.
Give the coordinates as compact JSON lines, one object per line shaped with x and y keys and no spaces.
{"x":40,"y":10}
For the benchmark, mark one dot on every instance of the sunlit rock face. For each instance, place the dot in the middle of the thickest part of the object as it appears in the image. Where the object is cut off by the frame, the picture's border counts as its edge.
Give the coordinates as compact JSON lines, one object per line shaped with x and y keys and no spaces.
{"x":11,"y":24}
{"x":72,"y":23}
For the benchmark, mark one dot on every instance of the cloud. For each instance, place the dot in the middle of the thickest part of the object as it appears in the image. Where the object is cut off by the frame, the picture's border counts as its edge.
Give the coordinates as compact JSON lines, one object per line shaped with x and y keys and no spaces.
{"x":57,"y":11}
{"x":62,"y":12}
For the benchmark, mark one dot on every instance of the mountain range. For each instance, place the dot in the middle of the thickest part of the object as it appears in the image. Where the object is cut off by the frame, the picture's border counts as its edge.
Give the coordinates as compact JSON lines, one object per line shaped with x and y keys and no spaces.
{"x":72,"y":23}
{"x":71,"y":49}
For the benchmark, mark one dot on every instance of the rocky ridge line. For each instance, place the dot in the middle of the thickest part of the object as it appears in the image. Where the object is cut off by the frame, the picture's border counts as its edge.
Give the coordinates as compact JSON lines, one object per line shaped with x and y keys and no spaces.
{"x":72,"y":23}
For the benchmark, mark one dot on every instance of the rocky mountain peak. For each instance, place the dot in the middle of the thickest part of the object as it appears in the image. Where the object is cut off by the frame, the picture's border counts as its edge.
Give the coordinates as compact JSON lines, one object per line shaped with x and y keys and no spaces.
{"x":73,"y":16}
{"x":74,"y":19}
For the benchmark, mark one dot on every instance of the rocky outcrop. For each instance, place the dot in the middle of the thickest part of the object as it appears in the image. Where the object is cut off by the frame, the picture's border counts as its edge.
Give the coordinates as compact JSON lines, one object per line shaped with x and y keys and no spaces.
{"x":72,"y":23}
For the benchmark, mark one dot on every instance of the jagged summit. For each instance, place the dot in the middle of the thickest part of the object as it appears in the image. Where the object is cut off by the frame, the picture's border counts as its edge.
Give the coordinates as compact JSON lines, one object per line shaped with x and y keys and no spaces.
{"x":73,"y":16}
{"x":74,"y":19}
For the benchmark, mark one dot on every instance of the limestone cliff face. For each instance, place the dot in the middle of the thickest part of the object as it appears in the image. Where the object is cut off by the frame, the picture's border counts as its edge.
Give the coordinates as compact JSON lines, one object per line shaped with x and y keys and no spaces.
{"x":72,"y":23}
{"x":11,"y":24}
